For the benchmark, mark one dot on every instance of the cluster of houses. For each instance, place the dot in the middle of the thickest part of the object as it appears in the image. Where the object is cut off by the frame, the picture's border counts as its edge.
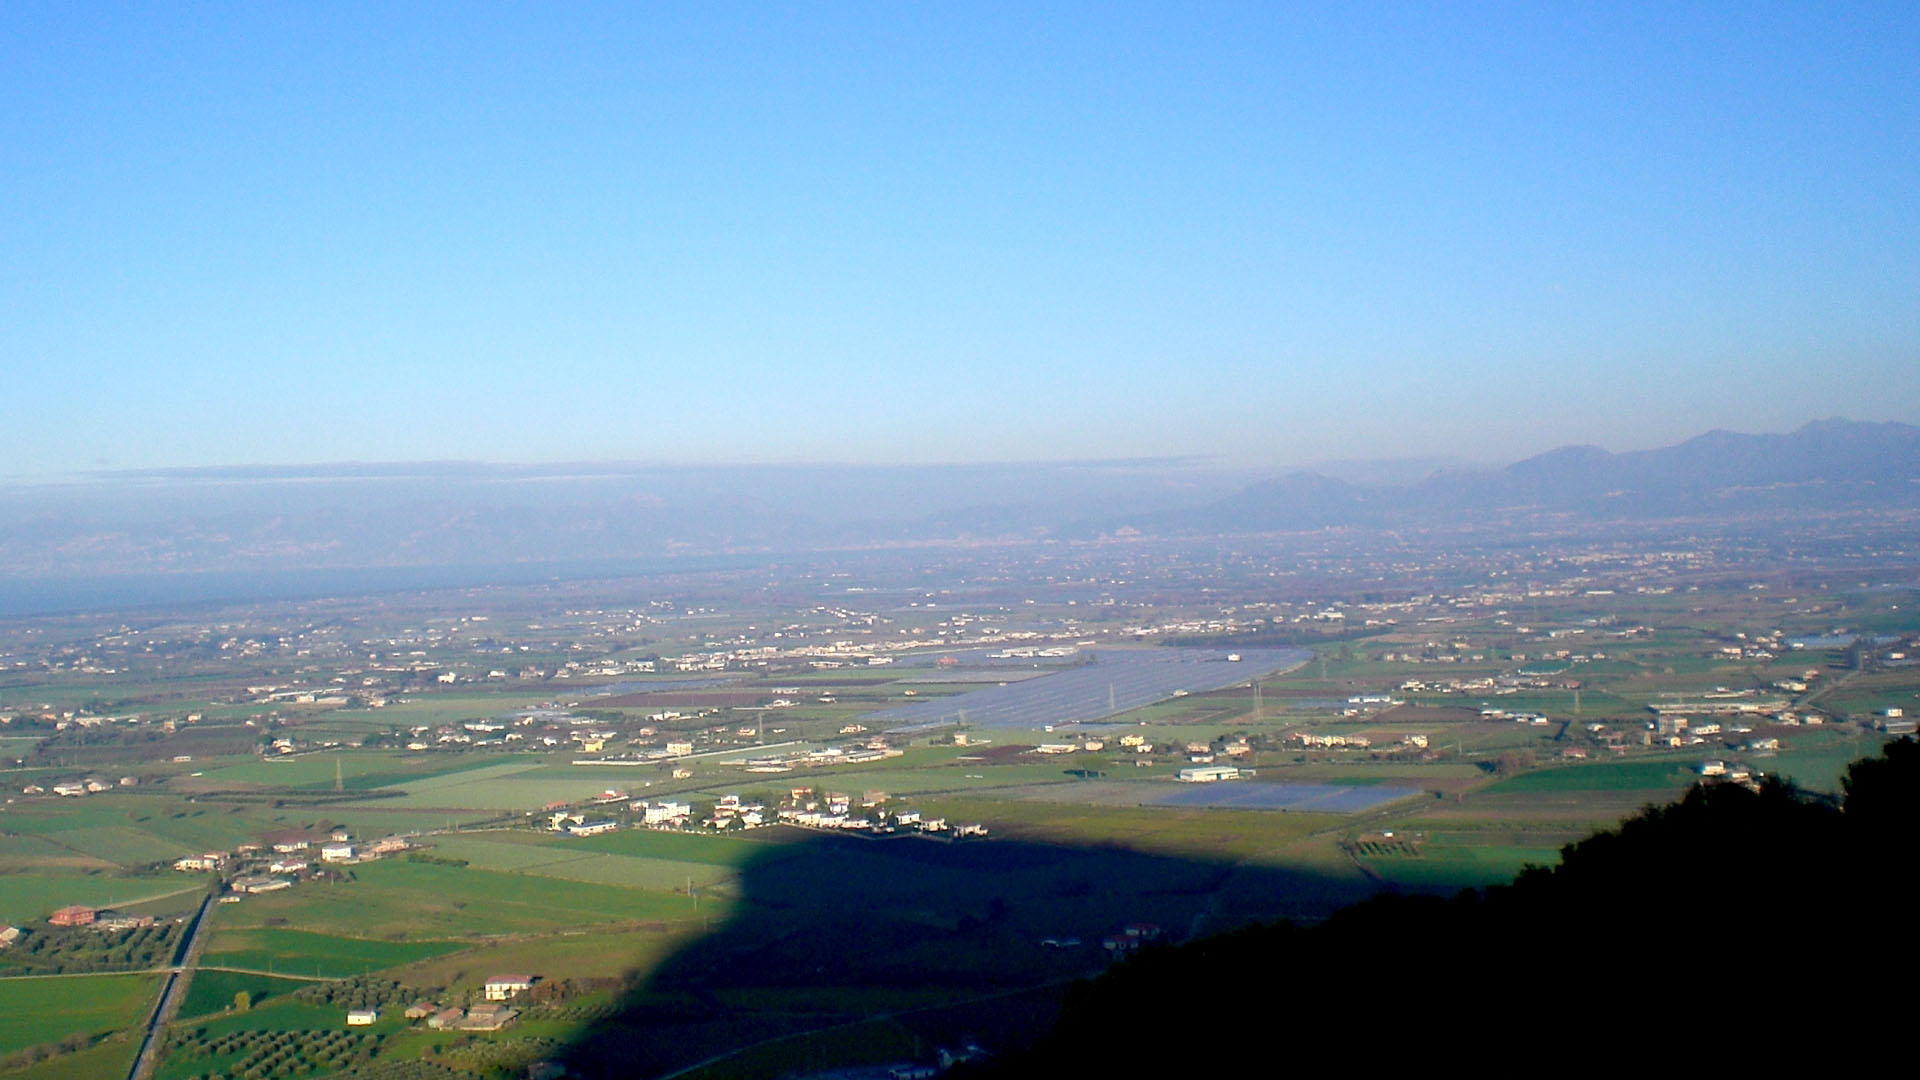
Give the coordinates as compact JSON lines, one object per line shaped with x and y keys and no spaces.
{"x":1723,"y":702}
{"x":490,"y":1014}
{"x":874,"y":749}
{"x":1130,"y":937}
{"x":575,"y":823}
{"x":548,"y":727}
{"x":1492,"y":685}
{"x":1308,"y":740}
{"x":846,"y":653}
{"x":1534,"y":719}
{"x":835,"y":810}
{"x":667,"y":813}
{"x":286,"y":747}
{"x":285,"y":858}
{"x":76,"y":789}
{"x":74,"y":719}
{"x":1727,"y":773}
{"x":804,"y":807}
{"x":1677,"y":732}
{"x":1199,"y":753}
{"x":1762,"y":647}
{"x":1432,"y":655}
{"x":1362,"y":704}
{"x":551,"y":727}
{"x":1205,"y":753}
{"x":731,"y":808}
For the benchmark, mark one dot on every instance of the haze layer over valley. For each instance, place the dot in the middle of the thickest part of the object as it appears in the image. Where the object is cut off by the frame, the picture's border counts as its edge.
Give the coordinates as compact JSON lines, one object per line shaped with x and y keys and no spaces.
{"x":585,"y":519}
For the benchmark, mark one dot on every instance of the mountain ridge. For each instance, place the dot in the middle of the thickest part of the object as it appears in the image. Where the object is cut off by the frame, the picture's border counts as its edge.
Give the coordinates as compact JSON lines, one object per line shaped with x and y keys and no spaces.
{"x":392,"y":516}
{"x":1828,"y":464}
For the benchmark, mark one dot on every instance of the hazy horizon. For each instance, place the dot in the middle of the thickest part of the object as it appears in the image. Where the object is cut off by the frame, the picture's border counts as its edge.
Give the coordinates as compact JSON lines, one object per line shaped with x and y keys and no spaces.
{"x":1410,"y":465}
{"x":1268,"y":236}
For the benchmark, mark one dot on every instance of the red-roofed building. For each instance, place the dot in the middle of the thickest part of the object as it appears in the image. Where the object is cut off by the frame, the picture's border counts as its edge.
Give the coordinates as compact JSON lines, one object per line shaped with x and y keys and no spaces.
{"x":73,"y":915}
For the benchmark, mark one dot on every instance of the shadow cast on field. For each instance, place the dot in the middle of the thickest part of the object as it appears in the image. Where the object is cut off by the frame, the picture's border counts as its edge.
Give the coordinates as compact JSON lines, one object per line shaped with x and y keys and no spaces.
{"x":888,"y":948}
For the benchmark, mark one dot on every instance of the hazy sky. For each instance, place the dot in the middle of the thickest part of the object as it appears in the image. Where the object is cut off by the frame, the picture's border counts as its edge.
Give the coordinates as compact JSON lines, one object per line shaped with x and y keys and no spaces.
{"x":943,"y":232}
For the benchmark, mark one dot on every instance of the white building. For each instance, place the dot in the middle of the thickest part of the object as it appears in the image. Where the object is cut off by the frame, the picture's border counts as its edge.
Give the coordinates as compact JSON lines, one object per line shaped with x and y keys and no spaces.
{"x":664,"y":811}
{"x":502,"y":987}
{"x":1205,"y":774}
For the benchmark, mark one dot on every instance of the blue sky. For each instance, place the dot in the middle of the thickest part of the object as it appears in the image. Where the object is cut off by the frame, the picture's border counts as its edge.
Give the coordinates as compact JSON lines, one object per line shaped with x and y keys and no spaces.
{"x":890,"y":232}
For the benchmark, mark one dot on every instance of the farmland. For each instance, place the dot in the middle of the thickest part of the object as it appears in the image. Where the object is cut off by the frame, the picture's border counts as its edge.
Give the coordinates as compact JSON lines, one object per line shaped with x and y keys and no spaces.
{"x":403,"y":901}
{"x":87,"y":1006}
{"x":300,"y":952}
{"x":25,"y":896}
{"x":774,"y":852}
{"x":213,"y":990}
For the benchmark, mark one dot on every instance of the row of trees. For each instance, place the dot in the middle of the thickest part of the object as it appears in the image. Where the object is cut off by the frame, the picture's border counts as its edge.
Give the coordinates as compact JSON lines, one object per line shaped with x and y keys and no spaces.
{"x":258,"y":1055}
{"x":55,"y":950}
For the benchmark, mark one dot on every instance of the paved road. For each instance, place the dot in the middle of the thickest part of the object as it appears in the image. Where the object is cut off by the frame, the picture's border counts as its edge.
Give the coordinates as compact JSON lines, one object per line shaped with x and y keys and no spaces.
{"x":171,"y":993}
{"x":1825,"y":687}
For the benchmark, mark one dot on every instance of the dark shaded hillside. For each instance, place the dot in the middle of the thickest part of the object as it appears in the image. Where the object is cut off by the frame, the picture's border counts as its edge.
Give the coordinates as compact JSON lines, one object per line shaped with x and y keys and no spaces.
{"x":876,"y":944}
{"x":1768,"y":925}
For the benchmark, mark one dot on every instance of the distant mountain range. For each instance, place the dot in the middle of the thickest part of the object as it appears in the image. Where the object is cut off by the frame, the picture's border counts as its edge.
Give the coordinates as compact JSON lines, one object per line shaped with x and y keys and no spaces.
{"x":347,"y":517}
{"x":1827,"y":465}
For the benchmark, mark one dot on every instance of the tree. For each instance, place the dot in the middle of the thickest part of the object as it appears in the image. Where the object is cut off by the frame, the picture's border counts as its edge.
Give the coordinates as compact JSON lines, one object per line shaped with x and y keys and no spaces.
{"x":1514,"y":761}
{"x":1882,"y":791}
{"x":242,"y":1001}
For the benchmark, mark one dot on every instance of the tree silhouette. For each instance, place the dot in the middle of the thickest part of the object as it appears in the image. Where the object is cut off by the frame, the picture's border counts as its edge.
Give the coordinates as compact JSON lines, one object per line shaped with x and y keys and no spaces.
{"x":1762,"y":903}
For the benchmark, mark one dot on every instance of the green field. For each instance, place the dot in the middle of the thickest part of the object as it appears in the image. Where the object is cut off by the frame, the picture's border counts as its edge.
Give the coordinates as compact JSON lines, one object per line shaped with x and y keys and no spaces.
{"x":123,"y":845}
{"x":133,"y":830}
{"x":563,"y":859}
{"x":716,"y":850}
{"x":1448,"y":866}
{"x":84,"y":1004}
{"x":1253,"y":835}
{"x":31,"y":851}
{"x":298,"y":952}
{"x":213,"y":990}
{"x":110,"y":1058}
{"x":561,"y":955}
{"x":1658,"y":775}
{"x":356,"y":771}
{"x":28,"y":897}
{"x":714,"y":942}
{"x":1820,"y":765}
{"x":284,"y":1014}
{"x":422,"y":901}
{"x":504,"y":786}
